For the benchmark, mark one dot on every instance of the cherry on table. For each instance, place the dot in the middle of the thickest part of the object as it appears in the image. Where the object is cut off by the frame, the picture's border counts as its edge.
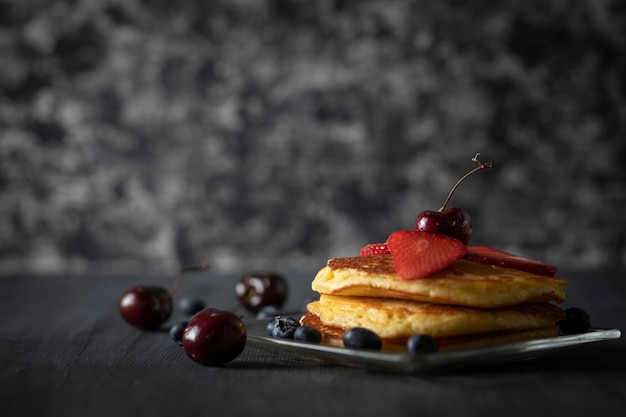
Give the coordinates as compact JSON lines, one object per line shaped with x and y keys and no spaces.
{"x":259,"y":289}
{"x":214,"y":337}
{"x":147,"y":306}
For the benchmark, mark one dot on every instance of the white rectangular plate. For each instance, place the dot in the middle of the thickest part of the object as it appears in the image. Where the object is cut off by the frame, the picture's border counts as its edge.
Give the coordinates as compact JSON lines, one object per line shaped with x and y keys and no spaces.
{"x":431,"y":362}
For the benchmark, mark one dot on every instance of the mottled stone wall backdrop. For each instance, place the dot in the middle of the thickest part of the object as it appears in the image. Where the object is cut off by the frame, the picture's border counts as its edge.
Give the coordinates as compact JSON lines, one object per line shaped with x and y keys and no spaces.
{"x":258,"y":134}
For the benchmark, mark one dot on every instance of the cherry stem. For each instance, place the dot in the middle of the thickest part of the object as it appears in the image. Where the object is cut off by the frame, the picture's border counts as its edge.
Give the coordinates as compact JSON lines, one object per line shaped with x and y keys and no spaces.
{"x":481,"y":165}
{"x":181,"y":272}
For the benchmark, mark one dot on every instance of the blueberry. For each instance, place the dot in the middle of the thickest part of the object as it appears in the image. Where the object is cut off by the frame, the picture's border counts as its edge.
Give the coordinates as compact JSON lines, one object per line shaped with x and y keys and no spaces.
{"x":190,"y":305}
{"x":307,"y":334}
{"x":283,"y":327}
{"x":176,"y":332}
{"x":576,"y":321}
{"x":421,"y":343}
{"x":361,"y":338}
{"x":267,"y":312}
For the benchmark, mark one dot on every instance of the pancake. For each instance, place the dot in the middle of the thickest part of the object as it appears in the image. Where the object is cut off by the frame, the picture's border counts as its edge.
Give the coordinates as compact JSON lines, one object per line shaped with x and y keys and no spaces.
{"x":400,"y":318}
{"x":332,"y":335}
{"x":464,"y":283}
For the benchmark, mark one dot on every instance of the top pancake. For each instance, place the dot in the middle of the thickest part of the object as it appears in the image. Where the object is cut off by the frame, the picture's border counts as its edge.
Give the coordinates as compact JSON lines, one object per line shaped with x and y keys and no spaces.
{"x":464,"y":283}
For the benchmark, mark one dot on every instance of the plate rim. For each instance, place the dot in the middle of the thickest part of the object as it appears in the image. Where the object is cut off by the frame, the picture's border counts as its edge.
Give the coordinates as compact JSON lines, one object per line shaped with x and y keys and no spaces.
{"x":410,"y":363}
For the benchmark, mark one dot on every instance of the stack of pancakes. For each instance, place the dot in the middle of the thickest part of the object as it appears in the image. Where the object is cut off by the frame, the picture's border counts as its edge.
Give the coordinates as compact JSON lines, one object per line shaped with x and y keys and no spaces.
{"x":469,"y":304}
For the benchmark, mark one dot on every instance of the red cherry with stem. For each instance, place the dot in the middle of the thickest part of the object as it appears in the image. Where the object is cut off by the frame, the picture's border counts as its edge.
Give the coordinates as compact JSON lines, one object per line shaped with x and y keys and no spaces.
{"x":454,"y":222}
{"x":214,"y":337}
{"x":147,"y":307}
{"x":257,"y":290}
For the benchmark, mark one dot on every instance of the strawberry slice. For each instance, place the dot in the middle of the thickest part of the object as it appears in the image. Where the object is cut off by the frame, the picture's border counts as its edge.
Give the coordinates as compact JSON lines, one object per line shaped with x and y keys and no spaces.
{"x":375,"y":249}
{"x":419,"y":254}
{"x":487,"y":255}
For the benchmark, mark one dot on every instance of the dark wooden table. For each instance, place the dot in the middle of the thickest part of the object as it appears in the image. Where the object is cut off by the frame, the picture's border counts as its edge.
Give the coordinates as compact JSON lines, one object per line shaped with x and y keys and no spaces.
{"x":64,"y":351}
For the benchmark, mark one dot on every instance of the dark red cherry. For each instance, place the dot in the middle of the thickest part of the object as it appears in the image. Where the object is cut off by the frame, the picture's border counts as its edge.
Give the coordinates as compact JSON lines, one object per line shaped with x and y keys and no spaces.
{"x":454,"y":222}
{"x":214,"y":337}
{"x":146,"y":307}
{"x":257,"y":290}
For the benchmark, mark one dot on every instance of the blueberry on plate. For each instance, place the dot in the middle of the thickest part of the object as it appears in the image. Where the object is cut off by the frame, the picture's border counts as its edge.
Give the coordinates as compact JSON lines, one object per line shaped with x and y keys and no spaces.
{"x":283,"y":327}
{"x":361,"y":338}
{"x":307,"y":334}
{"x":421,"y":343}
{"x":576,"y":321}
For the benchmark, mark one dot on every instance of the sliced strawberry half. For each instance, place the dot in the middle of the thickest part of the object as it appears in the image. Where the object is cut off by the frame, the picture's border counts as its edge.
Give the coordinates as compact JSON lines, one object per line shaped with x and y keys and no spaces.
{"x":487,"y":255}
{"x":419,"y":254}
{"x":375,"y":249}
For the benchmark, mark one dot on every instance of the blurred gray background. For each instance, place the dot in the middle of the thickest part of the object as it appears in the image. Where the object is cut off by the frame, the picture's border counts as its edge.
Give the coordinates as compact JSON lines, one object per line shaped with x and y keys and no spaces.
{"x":274,"y":134}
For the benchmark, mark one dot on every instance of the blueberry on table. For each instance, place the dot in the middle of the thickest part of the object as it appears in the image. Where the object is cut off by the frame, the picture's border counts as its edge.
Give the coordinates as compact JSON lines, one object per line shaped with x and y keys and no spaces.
{"x":267,"y":312}
{"x":176,"y":332}
{"x":361,"y":338}
{"x":307,"y":334}
{"x":283,"y":327}
{"x":576,"y":321}
{"x":421,"y":343}
{"x":190,"y":305}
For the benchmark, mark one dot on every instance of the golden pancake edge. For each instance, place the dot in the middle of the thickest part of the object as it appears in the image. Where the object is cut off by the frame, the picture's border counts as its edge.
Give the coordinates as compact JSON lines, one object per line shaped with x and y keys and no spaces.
{"x":401,"y":318}
{"x":333,"y":336}
{"x":464,"y":283}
